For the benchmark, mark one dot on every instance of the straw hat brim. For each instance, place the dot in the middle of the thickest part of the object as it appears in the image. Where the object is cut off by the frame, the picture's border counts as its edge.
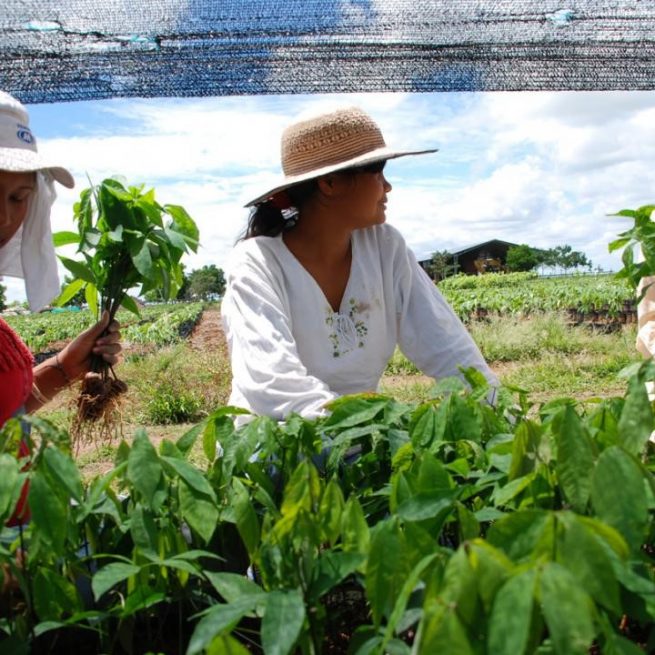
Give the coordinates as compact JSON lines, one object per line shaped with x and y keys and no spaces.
{"x":370,"y":157}
{"x":19,"y":160}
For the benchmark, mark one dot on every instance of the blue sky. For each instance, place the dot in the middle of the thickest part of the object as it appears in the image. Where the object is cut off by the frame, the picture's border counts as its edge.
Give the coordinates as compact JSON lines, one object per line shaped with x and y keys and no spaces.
{"x":538,"y":168}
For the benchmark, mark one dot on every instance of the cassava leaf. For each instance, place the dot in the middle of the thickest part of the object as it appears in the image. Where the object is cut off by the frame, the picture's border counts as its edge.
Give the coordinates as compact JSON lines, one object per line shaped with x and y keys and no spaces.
{"x":65,"y":238}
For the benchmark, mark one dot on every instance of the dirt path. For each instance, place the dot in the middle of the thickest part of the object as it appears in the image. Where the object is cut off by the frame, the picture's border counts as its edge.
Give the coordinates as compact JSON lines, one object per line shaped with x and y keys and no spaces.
{"x":208,"y":334}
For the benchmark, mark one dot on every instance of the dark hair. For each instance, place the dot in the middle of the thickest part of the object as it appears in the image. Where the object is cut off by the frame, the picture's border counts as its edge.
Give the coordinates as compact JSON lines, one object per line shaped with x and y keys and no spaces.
{"x":268,"y":220}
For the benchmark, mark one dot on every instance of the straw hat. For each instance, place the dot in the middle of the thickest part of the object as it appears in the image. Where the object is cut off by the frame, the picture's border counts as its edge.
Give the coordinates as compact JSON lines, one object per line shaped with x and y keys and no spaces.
{"x":18,"y":152}
{"x":345,"y":138}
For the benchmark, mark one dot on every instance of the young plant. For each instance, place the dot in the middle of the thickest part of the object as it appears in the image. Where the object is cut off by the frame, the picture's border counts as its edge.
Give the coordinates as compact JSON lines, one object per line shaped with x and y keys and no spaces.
{"x":638,"y":245}
{"x":127,"y":240}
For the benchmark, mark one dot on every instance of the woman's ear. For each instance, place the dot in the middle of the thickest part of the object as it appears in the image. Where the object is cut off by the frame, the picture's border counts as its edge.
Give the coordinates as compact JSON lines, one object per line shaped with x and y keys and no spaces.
{"x":331,"y":184}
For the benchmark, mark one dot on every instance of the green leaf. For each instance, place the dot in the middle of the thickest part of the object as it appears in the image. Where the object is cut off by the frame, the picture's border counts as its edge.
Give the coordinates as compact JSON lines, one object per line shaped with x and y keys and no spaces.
{"x":111,"y":575}
{"x":401,"y":601}
{"x":91,"y":239}
{"x":302,"y":491}
{"x":465,"y":422}
{"x":469,"y":528}
{"x":618,"y":495}
{"x":91,"y":297}
{"x":283,"y":619}
{"x":79,"y":270}
{"x":142,"y":260}
{"x":567,"y":610}
{"x":64,"y":472}
{"x":355,"y":534}
{"x":232,"y":586}
{"x":246,"y":517}
{"x":143,"y":466}
{"x":329,"y":511}
{"x":331,"y":569}
{"x":349,"y":411}
{"x":54,"y":595}
{"x":618,"y":243}
{"x":10,"y":484}
{"x":428,"y":424}
{"x":49,"y":513}
{"x":176,"y":239}
{"x":65,"y":238}
{"x":491,"y":568}
{"x":511,"y":616}
{"x":143,"y":529}
{"x":443,"y":632}
{"x":503,"y":495}
{"x":575,"y":459}
{"x":217,"y":619}
{"x":186,"y":442}
{"x":115,"y":204}
{"x":427,"y":505}
{"x":116,"y":235}
{"x":579,"y":550}
{"x":519,"y":533}
{"x":69,"y":292}
{"x":184,"y":224}
{"x":226,"y":645}
{"x":636,"y":422}
{"x":130,"y":304}
{"x":385,"y":569}
{"x":191,"y":475}
{"x":198,"y":510}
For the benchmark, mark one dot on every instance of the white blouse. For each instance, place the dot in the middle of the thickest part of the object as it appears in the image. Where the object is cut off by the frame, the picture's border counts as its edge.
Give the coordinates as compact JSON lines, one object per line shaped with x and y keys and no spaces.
{"x":291,"y":352}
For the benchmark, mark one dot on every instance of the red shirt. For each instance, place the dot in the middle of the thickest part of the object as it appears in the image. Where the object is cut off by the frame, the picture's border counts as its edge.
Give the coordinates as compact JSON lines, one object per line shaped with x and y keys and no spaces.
{"x":16,"y":380}
{"x":16,"y":364}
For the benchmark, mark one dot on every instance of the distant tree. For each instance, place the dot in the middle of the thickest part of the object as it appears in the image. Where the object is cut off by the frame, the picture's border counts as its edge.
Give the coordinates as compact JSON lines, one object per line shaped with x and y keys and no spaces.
{"x":521,"y":258}
{"x":441,"y":265}
{"x":564,"y":258}
{"x":206,"y":282}
{"x":3,"y":297}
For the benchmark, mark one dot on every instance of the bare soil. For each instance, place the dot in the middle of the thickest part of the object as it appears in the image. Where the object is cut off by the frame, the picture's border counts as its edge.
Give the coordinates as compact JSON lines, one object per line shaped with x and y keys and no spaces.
{"x":208,"y":333}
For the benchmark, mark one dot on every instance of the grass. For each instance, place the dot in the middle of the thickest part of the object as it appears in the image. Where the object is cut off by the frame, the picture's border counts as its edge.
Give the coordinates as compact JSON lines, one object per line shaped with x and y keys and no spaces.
{"x":173,"y":387}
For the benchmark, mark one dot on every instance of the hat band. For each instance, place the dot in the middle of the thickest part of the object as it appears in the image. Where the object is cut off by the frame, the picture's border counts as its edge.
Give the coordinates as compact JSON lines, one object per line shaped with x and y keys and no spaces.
{"x":332,"y":153}
{"x":14,"y":134}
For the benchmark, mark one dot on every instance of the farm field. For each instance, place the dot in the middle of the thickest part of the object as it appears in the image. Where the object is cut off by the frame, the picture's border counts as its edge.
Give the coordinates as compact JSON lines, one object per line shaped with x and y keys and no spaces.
{"x":455,"y":520}
{"x":585,"y":298}
{"x":178,"y":372}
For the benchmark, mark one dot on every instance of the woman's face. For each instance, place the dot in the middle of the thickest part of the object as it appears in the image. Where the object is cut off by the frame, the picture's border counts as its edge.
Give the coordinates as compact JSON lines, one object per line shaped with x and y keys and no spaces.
{"x":365,"y":195}
{"x":16,"y":189}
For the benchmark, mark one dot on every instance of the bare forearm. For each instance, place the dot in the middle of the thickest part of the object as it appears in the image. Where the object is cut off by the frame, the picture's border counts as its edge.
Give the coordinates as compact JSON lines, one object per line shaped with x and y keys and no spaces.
{"x":50,"y":377}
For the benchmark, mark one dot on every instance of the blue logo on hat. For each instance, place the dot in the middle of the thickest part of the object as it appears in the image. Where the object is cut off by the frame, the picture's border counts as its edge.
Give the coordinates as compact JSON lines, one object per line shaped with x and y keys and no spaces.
{"x":24,"y":134}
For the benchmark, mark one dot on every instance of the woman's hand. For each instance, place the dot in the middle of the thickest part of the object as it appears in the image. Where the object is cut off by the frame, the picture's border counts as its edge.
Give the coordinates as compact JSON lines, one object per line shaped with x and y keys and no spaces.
{"x":75,"y":358}
{"x":74,"y":361}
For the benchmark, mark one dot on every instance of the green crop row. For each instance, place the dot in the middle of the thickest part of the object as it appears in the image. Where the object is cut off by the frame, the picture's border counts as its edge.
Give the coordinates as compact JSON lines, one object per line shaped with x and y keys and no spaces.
{"x":159,"y":325}
{"x":450,"y":526}
{"x":529,"y":294}
{"x":166,"y":328}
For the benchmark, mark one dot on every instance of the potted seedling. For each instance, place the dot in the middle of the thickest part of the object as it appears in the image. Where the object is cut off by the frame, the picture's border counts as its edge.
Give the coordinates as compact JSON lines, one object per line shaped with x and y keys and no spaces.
{"x":126,"y":240}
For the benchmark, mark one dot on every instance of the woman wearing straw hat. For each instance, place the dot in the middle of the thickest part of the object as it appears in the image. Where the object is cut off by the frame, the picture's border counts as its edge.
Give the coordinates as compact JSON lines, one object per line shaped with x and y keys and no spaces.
{"x":26,"y":250}
{"x":320,"y":290}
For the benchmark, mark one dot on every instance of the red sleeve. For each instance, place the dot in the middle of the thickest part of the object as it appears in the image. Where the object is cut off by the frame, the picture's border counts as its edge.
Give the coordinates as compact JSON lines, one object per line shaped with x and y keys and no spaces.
{"x":15,"y":372}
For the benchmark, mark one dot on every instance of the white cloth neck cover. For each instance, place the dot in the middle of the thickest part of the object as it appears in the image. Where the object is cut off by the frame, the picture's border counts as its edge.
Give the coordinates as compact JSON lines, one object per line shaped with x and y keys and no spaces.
{"x":30,"y":253}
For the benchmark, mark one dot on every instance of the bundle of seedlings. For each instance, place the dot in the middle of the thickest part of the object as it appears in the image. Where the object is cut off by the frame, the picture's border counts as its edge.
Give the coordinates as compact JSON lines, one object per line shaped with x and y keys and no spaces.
{"x":127,"y":240}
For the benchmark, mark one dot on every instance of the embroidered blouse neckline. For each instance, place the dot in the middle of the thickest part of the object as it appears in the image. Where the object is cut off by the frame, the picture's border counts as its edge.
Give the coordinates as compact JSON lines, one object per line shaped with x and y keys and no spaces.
{"x":344,"y":304}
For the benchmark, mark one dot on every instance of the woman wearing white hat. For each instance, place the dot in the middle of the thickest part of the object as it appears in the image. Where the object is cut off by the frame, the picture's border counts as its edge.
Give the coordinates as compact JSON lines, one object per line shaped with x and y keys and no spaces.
{"x":26,"y":250}
{"x":320,"y":290}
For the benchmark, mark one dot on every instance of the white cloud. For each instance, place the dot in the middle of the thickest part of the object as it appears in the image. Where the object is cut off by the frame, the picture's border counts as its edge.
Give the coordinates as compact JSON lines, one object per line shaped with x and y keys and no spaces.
{"x":537,"y":168}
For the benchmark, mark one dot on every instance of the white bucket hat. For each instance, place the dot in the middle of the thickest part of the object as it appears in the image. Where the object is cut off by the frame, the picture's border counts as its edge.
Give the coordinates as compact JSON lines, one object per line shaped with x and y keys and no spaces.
{"x":30,"y":253}
{"x":18,"y":151}
{"x":341,"y":139}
